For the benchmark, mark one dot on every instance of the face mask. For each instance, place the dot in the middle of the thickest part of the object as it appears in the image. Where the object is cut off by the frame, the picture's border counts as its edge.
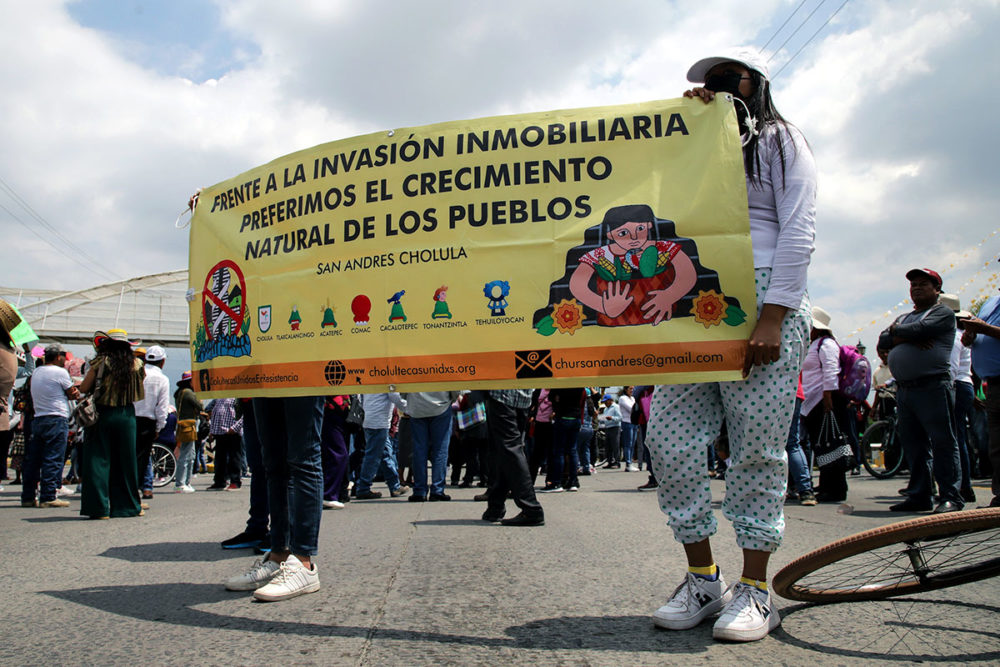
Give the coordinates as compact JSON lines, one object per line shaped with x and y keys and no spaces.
{"x":727,"y":82}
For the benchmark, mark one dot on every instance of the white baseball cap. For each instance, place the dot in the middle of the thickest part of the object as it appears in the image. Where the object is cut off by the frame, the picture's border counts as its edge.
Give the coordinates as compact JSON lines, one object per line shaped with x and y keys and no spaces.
{"x":155,"y":353}
{"x":748,"y":57}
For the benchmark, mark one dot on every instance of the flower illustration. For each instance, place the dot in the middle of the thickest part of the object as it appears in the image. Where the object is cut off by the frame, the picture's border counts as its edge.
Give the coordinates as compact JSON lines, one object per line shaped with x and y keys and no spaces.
{"x":567,"y":316}
{"x":709,"y":308}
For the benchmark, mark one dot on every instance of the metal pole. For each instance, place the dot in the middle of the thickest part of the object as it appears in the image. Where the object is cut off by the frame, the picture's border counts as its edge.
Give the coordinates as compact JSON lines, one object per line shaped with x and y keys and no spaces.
{"x":121,"y":296}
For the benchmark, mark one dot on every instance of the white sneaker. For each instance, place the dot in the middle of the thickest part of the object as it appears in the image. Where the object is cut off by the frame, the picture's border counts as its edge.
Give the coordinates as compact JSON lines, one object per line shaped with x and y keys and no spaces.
{"x":63,"y":491}
{"x":749,"y":616}
{"x":261,"y":572}
{"x":293,"y":579}
{"x":631,"y":467}
{"x":188,"y":488}
{"x":333,"y":505}
{"x":179,"y":489}
{"x":693,"y":601}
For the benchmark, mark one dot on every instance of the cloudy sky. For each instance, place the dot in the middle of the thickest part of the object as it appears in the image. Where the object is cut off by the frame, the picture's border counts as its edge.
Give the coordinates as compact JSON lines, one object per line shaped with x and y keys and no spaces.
{"x":114,"y":111}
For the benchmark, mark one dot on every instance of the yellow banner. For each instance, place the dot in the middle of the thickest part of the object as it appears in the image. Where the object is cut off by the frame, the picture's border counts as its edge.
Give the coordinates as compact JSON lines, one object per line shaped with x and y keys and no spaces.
{"x":594,"y":246}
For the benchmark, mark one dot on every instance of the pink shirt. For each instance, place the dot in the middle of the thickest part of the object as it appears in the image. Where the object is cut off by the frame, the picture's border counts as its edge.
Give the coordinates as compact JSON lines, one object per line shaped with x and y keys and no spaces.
{"x":544,"y":413}
{"x":819,"y":371}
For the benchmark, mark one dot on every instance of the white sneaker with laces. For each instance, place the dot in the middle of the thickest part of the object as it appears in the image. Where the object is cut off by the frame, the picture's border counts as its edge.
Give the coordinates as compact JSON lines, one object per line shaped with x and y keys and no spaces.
{"x":693,"y":601}
{"x":261,"y":572}
{"x":749,"y":616}
{"x":631,"y":467}
{"x":293,"y":578}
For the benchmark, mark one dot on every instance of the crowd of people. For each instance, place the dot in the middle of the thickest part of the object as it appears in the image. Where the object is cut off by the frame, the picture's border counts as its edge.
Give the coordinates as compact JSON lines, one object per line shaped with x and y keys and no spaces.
{"x":763,"y":435}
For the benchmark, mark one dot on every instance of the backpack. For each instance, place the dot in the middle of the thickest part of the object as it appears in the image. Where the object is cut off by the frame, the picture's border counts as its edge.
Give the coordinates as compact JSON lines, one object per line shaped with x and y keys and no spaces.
{"x":855,"y":378}
{"x":356,"y":415}
{"x":23,"y":402}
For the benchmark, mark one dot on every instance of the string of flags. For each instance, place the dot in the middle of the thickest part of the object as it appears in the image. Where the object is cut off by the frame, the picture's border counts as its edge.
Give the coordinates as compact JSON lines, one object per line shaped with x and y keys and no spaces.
{"x":988,"y":288}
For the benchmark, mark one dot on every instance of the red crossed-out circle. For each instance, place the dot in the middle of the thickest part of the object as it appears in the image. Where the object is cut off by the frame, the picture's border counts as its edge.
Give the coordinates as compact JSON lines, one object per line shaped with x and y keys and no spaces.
{"x":208,"y":295}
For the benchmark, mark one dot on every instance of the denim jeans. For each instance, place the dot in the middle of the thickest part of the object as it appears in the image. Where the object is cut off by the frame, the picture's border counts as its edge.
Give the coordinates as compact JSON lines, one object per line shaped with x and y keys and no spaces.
{"x":798,"y":468}
{"x":564,"y":461}
{"x":185,"y":459}
{"x":583,"y":439}
{"x":379,"y":458}
{"x":964,"y":396}
{"x":44,"y":458}
{"x":628,"y":441}
{"x":258,"y":520}
{"x":431,"y":436}
{"x":926,"y":429}
{"x":289,"y":432}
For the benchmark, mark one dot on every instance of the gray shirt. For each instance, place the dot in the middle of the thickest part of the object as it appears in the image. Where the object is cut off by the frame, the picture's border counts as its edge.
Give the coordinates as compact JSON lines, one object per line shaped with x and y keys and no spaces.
{"x":907,"y":360}
{"x":429,"y":403}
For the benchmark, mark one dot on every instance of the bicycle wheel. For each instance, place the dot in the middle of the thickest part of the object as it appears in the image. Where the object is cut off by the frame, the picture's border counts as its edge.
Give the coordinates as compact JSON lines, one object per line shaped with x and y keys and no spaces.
{"x":880,"y":452}
{"x":907,"y":557}
{"x":164,"y":465}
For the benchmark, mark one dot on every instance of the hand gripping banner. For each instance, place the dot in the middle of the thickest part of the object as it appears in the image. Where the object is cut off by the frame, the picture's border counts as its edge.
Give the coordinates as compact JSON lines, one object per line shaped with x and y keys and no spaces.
{"x":594,"y":246}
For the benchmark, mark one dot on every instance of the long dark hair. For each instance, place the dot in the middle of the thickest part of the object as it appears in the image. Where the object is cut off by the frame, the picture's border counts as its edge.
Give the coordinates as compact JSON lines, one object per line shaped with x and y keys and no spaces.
{"x":761,"y":108}
{"x":119,"y":362}
{"x":5,"y":339}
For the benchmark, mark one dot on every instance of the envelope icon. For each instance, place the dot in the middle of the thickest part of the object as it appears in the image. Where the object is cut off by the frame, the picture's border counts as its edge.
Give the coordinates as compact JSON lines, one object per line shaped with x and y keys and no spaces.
{"x":533,"y":364}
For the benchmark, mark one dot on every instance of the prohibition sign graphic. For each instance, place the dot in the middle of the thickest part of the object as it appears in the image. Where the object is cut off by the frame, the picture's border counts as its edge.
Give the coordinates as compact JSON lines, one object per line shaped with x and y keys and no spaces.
{"x":208,"y":295}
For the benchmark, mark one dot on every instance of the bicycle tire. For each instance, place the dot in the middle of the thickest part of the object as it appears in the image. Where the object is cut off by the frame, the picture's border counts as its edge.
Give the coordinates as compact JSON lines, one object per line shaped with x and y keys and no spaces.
{"x":164,"y":465}
{"x":952,"y":549}
{"x":892,"y":456}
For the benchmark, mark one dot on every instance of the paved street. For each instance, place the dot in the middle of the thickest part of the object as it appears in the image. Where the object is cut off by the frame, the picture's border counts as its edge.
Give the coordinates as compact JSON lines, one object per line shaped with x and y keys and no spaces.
{"x":431,"y":584}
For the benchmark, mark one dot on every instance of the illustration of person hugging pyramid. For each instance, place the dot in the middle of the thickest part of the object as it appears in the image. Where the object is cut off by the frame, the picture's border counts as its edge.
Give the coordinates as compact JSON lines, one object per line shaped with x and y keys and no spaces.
{"x":633,"y":269}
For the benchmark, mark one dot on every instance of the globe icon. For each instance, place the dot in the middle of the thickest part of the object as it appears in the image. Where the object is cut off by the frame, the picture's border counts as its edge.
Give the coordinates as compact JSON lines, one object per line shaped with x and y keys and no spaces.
{"x":335,"y":372}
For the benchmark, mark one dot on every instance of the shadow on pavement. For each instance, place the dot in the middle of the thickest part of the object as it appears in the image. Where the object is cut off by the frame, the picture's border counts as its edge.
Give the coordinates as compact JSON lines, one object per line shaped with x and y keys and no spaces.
{"x":54,"y":519}
{"x":175,"y":604}
{"x":885,"y":514}
{"x":471,"y":521}
{"x":161,"y":552}
{"x":902,"y":629}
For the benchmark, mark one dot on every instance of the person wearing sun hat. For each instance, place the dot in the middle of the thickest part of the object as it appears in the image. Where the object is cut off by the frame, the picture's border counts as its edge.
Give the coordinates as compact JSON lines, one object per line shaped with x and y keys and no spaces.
{"x":8,"y":374}
{"x":110,"y":478}
{"x":823,"y":401}
{"x":965,"y":393}
{"x":920,"y":343}
{"x":189,"y":409}
{"x":684,"y":419}
{"x":151,"y":411}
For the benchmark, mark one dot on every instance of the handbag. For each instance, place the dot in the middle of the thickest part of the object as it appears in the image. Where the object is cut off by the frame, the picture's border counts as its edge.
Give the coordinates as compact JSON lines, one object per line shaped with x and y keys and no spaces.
{"x":832,"y":445}
{"x":356,"y":415}
{"x":472,"y":416}
{"x":85,"y":412}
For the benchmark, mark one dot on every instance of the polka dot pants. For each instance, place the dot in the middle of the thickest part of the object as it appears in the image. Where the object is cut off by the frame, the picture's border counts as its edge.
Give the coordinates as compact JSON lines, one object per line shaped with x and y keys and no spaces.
{"x":684,"y":419}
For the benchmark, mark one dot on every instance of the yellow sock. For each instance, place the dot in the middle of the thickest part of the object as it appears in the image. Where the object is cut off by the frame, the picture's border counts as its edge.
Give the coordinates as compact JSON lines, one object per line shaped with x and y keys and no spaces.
{"x":762,"y":585}
{"x":708,"y":572}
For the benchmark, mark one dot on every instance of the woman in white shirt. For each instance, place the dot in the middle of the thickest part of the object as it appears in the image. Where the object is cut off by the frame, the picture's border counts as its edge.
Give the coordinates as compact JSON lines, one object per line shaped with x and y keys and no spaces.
{"x":820,"y":371}
{"x":684,"y":419}
{"x":625,"y":403}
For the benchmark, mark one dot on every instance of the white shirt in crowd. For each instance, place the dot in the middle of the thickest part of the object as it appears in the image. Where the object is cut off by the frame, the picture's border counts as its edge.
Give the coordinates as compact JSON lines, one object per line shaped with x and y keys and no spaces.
{"x":157,"y":399}
{"x":625,"y":403}
{"x":48,"y":391}
{"x":961,"y":360}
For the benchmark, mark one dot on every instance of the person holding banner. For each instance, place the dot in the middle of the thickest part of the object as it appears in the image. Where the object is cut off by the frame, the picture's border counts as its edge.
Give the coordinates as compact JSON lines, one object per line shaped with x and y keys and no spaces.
{"x":684,"y":419}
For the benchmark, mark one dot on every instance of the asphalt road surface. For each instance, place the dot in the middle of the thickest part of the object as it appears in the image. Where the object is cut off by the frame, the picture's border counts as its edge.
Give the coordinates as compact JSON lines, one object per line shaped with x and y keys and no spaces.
{"x":431,"y":584}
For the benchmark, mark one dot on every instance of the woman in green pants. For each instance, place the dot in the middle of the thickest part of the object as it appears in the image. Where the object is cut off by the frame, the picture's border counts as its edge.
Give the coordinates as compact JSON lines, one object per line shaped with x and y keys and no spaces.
{"x":115,"y":377}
